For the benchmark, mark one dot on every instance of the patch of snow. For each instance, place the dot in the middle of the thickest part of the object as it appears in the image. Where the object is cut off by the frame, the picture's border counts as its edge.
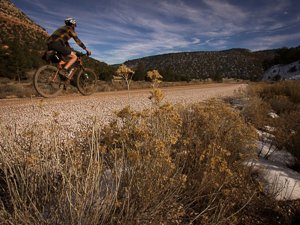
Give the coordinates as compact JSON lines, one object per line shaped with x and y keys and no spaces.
{"x":265,"y":149}
{"x":265,"y":135}
{"x":283,"y":157}
{"x":273,"y":172}
{"x":273,"y":115}
{"x":282,"y":182}
{"x":269,"y":128}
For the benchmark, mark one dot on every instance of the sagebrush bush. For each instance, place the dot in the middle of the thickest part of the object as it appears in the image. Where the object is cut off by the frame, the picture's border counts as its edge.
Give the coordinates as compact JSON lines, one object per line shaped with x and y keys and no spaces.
{"x":50,"y":181}
{"x":281,"y":104}
{"x":287,"y":132}
{"x":256,"y":111}
{"x":284,"y":99}
{"x":151,"y":181}
{"x":291,"y":89}
{"x":215,"y":141}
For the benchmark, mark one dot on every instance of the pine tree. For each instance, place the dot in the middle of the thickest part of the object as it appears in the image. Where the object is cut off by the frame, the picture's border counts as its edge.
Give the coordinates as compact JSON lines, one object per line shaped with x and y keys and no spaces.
{"x":140,"y":72}
{"x":3,"y":61}
{"x":168,"y":73}
{"x":17,"y":62}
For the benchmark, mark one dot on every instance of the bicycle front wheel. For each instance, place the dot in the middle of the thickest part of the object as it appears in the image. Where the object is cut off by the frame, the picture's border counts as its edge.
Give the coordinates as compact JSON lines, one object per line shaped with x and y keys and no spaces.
{"x":47,"y":82}
{"x":86,"y":81}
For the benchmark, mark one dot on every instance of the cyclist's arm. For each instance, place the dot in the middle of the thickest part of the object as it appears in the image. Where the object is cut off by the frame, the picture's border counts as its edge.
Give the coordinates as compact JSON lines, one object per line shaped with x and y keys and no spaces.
{"x":77,"y":40}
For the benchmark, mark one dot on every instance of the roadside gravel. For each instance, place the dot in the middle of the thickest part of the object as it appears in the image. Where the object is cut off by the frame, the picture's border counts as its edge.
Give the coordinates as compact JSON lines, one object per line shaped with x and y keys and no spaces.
{"x":73,"y":111}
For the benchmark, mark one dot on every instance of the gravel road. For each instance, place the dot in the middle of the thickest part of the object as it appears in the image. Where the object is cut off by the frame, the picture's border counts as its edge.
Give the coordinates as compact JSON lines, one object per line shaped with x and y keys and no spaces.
{"x":74,"y":110}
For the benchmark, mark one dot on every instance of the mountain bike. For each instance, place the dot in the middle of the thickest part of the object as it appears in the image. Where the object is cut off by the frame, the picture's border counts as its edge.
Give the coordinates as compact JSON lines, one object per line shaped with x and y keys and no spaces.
{"x":49,"y":83}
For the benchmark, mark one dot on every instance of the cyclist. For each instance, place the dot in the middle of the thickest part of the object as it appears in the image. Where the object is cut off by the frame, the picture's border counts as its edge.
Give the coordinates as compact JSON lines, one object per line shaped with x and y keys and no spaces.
{"x":58,"y":41}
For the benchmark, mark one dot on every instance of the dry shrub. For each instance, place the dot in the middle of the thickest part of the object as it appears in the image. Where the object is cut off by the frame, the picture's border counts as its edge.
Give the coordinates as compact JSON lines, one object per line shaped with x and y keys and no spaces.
{"x":291,"y":89}
{"x":281,"y":96}
{"x":151,"y":182}
{"x":284,"y":99}
{"x":256,"y":111}
{"x":281,"y":103}
{"x":5,"y":80}
{"x":181,"y":166}
{"x":17,"y":90}
{"x":214,"y":143}
{"x":46,"y":180}
{"x":287,"y":132}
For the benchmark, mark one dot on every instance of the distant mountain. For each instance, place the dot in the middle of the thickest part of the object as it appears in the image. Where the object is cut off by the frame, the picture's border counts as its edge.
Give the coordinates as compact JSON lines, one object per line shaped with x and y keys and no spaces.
{"x":233,"y":63}
{"x":22,"y":43}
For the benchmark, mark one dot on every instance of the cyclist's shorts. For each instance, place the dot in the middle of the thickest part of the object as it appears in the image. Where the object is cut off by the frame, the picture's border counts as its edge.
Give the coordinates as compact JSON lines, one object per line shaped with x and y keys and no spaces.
{"x":59,"y":47}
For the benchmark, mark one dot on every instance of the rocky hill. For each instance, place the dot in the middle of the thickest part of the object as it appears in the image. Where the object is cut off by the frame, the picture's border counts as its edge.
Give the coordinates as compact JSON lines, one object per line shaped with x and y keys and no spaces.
{"x":233,"y":63}
{"x":21,"y":42}
{"x":11,"y":14}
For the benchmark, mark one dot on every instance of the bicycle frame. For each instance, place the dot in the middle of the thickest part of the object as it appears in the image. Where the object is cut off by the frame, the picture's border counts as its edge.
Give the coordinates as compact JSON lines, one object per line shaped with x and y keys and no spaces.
{"x":78,"y":64}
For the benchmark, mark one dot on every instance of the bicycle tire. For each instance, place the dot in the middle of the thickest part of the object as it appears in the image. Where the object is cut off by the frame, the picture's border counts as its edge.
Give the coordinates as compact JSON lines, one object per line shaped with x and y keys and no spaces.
{"x":47,"y":82}
{"x":86,"y":81}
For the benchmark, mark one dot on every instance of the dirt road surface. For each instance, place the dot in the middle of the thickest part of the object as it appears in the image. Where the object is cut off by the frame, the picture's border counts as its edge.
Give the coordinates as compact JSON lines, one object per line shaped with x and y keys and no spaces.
{"x":72,"y":111}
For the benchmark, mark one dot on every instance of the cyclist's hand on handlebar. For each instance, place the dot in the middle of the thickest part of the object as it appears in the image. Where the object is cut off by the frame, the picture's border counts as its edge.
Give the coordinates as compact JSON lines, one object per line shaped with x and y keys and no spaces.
{"x":88,"y":52}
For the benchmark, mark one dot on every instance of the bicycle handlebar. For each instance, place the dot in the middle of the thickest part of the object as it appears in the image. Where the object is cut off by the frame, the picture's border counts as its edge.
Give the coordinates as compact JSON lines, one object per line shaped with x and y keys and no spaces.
{"x":80,"y":54}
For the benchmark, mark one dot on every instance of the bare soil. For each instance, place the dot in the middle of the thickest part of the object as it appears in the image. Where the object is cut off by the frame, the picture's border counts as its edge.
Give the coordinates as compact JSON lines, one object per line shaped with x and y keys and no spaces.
{"x":176,"y":94}
{"x":72,"y":111}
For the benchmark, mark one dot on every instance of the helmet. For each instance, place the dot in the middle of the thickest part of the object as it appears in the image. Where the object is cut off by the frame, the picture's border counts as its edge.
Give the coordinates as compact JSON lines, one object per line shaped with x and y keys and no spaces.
{"x":70,"y":21}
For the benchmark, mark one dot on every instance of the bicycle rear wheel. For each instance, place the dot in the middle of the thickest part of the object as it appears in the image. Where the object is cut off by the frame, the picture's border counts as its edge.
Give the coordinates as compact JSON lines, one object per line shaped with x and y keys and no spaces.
{"x":47,"y":82}
{"x":86,"y":81}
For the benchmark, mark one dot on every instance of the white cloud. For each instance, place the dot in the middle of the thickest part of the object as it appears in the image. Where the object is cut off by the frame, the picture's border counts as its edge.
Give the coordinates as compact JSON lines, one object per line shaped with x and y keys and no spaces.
{"x":271,"y":41}
{"x":227,"y":12}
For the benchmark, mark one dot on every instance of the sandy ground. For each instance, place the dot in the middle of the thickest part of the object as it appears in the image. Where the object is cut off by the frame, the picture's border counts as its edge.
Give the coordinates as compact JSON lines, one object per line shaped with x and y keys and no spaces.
{"x":72,"y":110}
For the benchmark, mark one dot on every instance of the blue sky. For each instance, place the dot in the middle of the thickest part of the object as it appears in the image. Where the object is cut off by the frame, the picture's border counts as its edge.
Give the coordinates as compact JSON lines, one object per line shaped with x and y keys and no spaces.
{"x":119,"y":30}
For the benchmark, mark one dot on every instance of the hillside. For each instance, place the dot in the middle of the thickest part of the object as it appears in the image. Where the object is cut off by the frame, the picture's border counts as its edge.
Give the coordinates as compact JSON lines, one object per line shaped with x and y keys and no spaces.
{"x":22,"y":43}
{"x":233,"y":63}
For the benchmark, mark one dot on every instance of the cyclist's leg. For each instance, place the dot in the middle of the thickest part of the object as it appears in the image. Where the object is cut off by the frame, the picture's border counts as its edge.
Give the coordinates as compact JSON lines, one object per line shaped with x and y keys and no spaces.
{"x":72,"y":60}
